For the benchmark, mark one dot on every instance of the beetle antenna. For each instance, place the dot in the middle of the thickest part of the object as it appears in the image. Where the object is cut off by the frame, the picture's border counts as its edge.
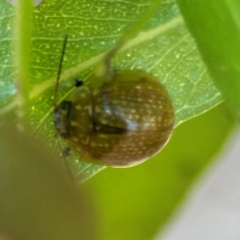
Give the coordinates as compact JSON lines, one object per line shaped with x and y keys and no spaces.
{"x":59,"y":71}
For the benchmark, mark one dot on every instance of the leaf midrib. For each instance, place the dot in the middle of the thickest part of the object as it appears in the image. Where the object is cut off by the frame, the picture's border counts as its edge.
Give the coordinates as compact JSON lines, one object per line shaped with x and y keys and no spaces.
{"x":140,"y":38}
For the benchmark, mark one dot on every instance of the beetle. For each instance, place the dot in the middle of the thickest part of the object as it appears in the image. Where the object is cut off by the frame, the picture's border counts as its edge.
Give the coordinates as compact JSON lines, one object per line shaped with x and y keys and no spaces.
{"x":123,"y":122}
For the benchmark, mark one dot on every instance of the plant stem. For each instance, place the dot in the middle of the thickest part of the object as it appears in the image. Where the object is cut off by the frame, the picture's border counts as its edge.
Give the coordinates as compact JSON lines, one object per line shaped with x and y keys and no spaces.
{"x":103,"y":69}
{"x":22,"y":61}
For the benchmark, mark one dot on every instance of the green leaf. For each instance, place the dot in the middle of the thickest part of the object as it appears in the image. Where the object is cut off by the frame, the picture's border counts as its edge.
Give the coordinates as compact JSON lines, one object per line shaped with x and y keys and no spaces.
{"x":38,"y":198}
{"x":164,"y":48}
{"x":216,"y":27}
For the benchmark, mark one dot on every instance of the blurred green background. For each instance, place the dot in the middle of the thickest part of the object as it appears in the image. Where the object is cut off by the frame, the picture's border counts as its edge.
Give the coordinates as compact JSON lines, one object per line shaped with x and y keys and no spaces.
{"x":39,"y":201}
{"x":135,"y":203}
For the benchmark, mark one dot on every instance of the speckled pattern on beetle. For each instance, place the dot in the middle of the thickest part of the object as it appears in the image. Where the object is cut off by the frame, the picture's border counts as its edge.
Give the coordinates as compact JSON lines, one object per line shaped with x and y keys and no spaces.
{"x":121,"y":124}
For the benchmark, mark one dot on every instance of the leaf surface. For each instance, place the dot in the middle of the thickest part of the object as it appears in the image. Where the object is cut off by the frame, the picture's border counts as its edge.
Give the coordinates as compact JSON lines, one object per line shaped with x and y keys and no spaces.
{"x":216,"y":28}
{"x":164,"y":48}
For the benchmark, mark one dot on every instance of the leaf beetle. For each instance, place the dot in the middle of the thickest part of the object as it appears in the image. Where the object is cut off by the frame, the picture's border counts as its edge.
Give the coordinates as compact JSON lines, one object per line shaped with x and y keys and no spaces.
{"x":122,"y":123}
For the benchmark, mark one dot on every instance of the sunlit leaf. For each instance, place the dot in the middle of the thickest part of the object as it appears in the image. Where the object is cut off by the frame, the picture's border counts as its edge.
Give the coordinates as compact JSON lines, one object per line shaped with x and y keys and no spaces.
{"x":164,"y":48}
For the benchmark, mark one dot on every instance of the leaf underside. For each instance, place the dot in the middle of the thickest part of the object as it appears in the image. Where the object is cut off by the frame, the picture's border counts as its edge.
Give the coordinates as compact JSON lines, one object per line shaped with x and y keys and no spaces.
{"x":164,"y":48}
